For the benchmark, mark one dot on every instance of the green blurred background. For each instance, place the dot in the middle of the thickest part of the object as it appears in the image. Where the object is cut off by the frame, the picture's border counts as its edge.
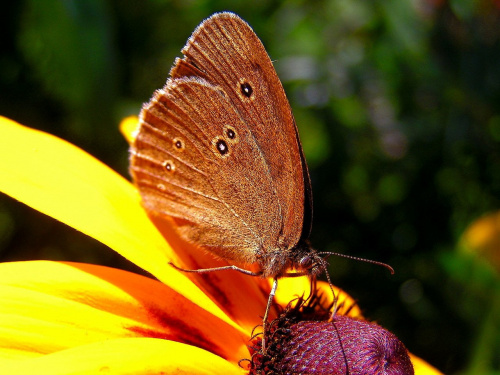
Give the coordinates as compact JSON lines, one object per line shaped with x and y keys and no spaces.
{"x":398,"y":107}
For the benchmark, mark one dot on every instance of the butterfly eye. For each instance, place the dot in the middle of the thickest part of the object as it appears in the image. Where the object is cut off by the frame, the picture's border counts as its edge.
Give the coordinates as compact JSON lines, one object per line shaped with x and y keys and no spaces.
{"x":306,"y":262}
{"x":178,"y":144}
{"x":246,"y":89}
{"x":168,"y":166}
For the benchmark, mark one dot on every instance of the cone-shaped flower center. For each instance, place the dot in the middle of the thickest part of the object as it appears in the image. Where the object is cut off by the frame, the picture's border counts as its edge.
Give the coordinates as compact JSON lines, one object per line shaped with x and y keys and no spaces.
{"x":343,"y":345}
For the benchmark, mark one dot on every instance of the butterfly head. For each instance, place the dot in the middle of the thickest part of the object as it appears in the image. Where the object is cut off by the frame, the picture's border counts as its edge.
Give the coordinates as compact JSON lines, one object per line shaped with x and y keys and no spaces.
{"x":311,"y":263}
{"x":302,"y":258}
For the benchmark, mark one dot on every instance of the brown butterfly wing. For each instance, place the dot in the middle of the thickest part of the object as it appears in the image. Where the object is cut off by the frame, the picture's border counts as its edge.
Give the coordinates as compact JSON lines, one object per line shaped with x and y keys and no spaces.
{"x":229,"y":184}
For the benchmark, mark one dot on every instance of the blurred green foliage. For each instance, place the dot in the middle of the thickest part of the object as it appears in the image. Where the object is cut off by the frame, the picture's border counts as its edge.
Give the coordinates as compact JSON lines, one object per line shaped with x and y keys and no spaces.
{"x":397,"y":103}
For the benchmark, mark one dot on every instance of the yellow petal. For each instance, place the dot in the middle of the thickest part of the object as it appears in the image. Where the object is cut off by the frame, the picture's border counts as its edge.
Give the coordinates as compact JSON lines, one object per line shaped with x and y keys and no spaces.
{"x":50,"y":306}
{"x":126,"y":356}
{"x":423,"y":368}
{"x":290,"y":288}
{"x":128,"y":128}
{"x":62,"y":181}
{"x":346,"y":305}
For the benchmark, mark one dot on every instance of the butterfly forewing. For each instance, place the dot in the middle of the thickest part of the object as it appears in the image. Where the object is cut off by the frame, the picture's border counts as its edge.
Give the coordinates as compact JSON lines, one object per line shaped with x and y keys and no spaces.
{"x":228,"y":52}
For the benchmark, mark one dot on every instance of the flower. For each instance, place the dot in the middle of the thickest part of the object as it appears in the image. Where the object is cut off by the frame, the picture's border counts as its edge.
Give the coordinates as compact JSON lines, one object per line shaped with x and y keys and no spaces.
{"x":63,"y":317}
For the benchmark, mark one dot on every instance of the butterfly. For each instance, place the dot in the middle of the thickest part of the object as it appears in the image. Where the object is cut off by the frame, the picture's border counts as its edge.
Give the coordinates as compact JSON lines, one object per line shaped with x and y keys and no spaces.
{"x":218,"y":153}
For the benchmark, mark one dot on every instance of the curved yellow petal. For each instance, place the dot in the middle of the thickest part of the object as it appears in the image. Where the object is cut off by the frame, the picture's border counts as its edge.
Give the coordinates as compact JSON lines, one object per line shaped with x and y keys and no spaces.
{"x":62,"y":181}
{"x":134,"y":356}
{"x":346,"y":305}
{"x":50,"y":306}
{"x":128,"y":128}
{"x":289,"y":288}
{"x":423,"y":368}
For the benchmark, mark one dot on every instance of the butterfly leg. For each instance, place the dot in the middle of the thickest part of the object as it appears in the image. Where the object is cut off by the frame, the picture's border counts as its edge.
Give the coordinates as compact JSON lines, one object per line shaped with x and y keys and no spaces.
{"x":224,"y":268}
{"x":268,"y":307}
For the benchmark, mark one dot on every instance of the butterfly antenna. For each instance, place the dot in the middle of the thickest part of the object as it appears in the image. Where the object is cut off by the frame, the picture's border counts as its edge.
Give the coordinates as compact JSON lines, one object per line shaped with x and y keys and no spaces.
{"x":361,"y":260}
